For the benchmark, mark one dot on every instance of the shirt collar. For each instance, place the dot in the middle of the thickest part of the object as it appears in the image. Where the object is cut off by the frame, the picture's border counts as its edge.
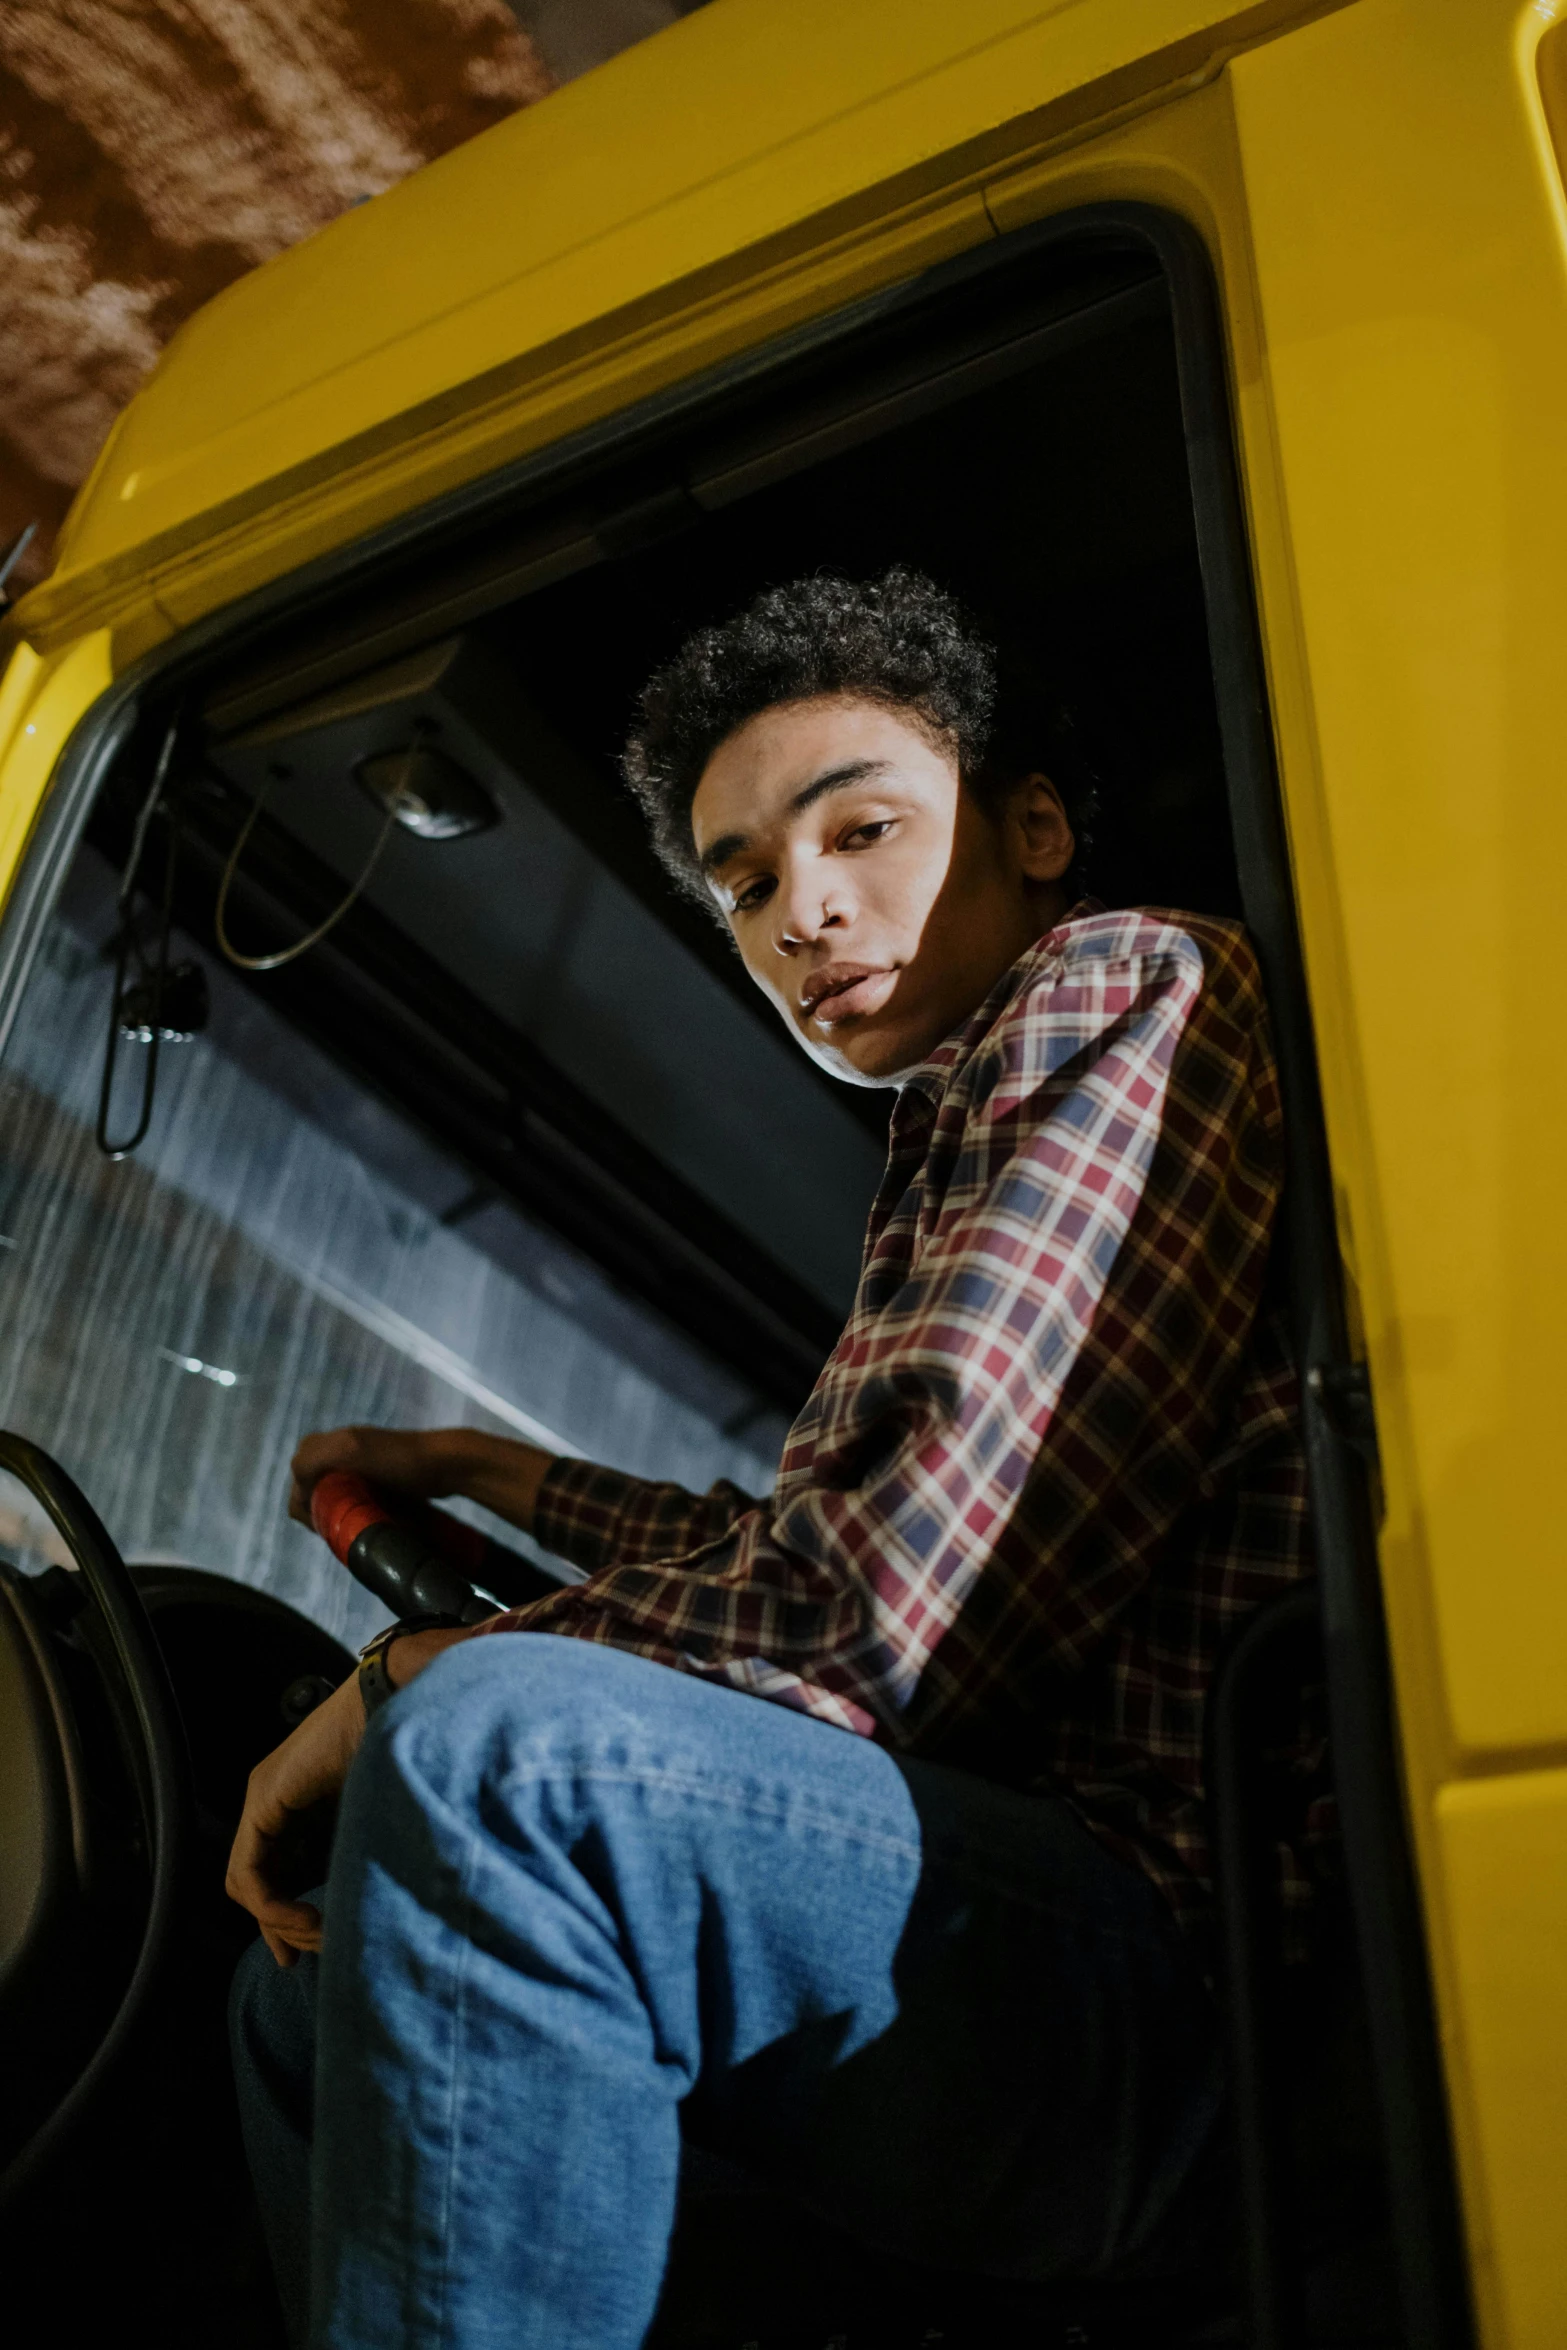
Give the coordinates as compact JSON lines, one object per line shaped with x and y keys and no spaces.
{"x":931,"y":1079}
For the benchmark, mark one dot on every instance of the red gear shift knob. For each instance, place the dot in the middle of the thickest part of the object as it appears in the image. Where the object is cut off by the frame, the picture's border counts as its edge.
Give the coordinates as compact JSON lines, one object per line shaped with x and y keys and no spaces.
{"x":408,"y":1553}
{"x":342,"y":1506}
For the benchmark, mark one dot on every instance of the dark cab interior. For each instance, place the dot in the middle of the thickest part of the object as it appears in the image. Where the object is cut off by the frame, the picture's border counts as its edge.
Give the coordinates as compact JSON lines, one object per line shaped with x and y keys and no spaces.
{"x":515,"y":1140}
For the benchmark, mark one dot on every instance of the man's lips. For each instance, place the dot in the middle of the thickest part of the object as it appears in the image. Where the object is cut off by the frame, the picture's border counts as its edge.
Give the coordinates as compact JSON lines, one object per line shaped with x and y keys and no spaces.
{"x":840,"y":990}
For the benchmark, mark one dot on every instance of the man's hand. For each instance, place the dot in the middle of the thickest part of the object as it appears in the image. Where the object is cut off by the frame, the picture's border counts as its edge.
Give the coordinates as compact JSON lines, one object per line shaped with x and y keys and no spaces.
{"x":425,"y":1462}
{"x":308,"y":1768}
{"x":428,"y":1464}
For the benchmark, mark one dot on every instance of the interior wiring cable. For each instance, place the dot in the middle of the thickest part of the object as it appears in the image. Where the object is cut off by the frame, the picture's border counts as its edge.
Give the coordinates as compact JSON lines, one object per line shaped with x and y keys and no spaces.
{"x":129,"y":943}
{"x":288,"y":954}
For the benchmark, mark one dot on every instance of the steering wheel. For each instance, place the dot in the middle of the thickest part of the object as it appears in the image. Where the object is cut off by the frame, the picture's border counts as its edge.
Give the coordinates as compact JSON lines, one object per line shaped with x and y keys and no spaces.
{"x":165,"y":1776}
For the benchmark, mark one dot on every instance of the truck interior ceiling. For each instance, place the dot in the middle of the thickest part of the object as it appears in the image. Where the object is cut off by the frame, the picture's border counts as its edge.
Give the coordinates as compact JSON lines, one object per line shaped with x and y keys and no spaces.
{"x":515,"y":1141}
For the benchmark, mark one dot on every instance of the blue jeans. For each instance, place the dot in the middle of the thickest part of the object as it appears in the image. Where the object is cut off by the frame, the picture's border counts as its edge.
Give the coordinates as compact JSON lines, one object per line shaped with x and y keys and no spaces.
{"x":580,"y":1903}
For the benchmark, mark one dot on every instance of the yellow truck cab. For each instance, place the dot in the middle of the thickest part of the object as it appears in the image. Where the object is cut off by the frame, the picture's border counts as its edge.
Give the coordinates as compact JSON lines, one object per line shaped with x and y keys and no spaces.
{"x":1208,"y":351}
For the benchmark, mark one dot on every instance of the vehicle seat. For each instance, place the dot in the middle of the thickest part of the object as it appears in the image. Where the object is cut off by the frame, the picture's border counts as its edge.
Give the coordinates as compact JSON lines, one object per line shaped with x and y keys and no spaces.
{"x":751,"y":2270}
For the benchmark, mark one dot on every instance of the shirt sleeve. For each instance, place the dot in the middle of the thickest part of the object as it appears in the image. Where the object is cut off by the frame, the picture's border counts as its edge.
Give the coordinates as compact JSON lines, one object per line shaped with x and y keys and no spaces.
{"x":1123,"y":1089}
{"x":597,"y":1517}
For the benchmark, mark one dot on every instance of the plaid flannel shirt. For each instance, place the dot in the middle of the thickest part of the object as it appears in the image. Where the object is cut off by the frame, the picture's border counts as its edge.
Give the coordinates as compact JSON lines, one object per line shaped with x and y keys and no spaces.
{"x":1055,"y":1454}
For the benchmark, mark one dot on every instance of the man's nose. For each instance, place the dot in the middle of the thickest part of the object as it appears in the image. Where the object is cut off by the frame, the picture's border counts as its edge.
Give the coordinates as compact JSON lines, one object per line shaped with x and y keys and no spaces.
{"x":806,"y":905}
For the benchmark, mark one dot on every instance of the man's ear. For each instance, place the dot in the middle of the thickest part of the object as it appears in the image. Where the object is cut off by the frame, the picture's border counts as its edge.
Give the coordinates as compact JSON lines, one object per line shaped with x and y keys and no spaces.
{"x":1045,"y":841}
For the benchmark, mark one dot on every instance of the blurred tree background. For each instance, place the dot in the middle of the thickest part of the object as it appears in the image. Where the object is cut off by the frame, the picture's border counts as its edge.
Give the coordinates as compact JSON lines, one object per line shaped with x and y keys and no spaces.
{"x":153,"y":150}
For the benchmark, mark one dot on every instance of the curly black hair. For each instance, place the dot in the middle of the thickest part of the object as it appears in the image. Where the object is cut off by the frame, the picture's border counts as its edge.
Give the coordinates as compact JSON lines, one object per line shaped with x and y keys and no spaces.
{"x":899,"y":640}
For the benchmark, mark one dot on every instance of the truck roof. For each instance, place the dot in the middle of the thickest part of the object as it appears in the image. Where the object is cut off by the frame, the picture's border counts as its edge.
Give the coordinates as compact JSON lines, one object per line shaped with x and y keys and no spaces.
{"x":588,"y":250}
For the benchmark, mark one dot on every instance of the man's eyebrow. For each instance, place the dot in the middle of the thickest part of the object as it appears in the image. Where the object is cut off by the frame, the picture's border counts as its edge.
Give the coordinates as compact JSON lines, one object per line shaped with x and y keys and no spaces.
{"x":836,"y":779}
{"x":730,"y":844}
{"x":719,"y":852}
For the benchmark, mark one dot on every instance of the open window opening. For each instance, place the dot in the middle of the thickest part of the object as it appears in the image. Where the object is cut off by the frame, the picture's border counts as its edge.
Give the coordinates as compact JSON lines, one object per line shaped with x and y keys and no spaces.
{"x":546,"y":1067}
{"x":515,"y":1141}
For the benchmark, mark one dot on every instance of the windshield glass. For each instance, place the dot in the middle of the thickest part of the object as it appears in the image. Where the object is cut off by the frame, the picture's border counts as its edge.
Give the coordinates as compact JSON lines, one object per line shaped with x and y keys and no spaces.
{"x":285,"y":1252}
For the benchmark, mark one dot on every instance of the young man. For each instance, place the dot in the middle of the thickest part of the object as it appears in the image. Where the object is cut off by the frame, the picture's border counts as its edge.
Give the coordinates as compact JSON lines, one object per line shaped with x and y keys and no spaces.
{"x":857,"y":1832}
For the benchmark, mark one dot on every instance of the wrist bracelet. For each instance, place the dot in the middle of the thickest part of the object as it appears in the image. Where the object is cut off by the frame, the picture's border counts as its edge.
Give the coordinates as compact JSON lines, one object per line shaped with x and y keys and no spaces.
{"x":375,"y":1682}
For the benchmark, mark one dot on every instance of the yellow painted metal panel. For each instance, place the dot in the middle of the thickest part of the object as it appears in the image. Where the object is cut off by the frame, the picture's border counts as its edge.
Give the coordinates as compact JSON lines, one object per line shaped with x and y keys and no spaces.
{"x":1414,"y":304}
{"x":347,"y":493}
{"x":1411,"y":270}
{"x":575,"y":225}
{"x":1504,"y":1858}
{"x":17,"y":688}
{"x":41,"y":704}
{"x":1551,"y":65}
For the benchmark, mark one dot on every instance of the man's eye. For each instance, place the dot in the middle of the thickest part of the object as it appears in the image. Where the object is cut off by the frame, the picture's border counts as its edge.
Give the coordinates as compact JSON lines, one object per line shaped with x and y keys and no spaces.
{"x":864,"y":834}
{"x":755,"y":893}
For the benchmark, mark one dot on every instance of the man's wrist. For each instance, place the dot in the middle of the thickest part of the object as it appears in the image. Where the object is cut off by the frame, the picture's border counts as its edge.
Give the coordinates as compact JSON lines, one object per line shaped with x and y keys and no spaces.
{"x":379,"y":1678}
{"x":410,"y":1652}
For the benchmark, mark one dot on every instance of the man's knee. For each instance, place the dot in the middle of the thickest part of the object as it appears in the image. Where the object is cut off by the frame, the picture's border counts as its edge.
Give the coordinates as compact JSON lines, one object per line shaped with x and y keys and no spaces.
{"x":522,"y":1711}
{"x":533,"y":1701}
{"x":558,"y":1735}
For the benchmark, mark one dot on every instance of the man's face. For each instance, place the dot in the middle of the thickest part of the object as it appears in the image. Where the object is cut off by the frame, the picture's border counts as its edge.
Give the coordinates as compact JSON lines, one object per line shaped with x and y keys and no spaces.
{"x":871,"y":898}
